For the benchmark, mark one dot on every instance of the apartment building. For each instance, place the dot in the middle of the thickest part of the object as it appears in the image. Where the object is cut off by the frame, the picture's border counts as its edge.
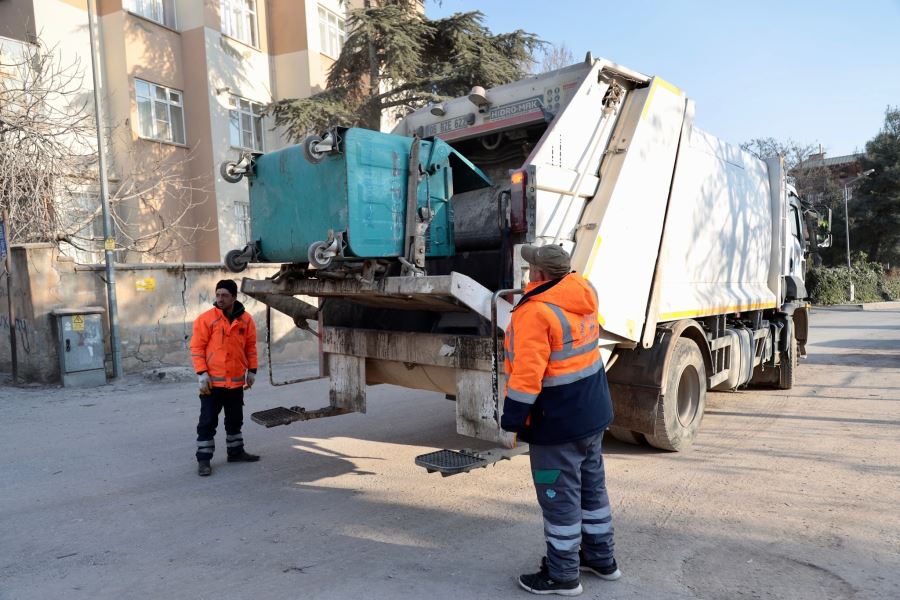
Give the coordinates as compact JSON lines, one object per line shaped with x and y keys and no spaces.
{"x":184,"y":83}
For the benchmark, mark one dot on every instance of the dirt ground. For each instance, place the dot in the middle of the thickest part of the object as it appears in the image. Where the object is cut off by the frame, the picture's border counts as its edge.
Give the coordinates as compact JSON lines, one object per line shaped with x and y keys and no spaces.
{"x":790,"y":494}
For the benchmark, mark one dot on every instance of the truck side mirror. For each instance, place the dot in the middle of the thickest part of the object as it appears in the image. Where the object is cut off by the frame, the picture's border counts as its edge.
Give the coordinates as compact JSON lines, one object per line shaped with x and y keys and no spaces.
{"x":823,"y":231}
{"x":817,"y":223}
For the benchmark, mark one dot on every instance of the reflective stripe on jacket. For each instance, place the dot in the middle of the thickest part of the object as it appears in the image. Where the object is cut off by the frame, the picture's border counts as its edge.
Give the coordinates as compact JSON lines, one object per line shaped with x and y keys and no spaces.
{"x":556,"y":387}
{"x":226,"y":350}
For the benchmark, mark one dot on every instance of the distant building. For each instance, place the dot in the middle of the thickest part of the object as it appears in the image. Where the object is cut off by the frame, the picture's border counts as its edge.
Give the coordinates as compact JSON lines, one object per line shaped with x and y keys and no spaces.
{"x":843,"y":168}
{"x":188,"y":78}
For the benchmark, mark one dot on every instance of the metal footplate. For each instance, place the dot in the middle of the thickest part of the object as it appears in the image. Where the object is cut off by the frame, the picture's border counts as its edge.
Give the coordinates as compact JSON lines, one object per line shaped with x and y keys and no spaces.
{"x":452,"y":462}
{"x":274,"y":417}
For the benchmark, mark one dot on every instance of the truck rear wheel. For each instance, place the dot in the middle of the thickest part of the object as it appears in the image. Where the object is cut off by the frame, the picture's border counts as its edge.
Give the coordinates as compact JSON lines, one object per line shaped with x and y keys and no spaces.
{"x":680,"y":410}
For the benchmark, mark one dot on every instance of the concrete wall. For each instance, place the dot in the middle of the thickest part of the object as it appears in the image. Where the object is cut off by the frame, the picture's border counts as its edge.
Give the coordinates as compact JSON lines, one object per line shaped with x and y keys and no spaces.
{"x":157,"y":306}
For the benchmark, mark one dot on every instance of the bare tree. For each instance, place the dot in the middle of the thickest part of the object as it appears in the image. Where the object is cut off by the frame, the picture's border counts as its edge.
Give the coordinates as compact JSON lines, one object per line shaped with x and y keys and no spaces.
{"x":814,"y":182}
{"x":49,"y":170}
{"x":151,"y":206}
{"x":555,"y":57}
{"x":45,"y":132}
{"x":794,"y":153}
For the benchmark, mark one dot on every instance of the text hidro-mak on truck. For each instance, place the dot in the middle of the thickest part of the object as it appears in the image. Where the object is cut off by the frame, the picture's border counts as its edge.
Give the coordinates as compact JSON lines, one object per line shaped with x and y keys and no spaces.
{"x":410,"y":242}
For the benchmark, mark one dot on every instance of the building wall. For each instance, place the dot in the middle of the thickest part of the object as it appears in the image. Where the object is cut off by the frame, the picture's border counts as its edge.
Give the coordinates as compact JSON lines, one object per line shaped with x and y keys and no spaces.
{"x":157,"y":306}
{"x":207,"y":66}
{"x":62,"y":26}
{"x":17,"y":20}
{"x":242,"y":70}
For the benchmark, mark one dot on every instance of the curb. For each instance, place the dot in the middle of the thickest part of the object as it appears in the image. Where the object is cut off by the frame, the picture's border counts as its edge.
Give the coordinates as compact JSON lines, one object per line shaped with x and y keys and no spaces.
{"x":872,"y":306}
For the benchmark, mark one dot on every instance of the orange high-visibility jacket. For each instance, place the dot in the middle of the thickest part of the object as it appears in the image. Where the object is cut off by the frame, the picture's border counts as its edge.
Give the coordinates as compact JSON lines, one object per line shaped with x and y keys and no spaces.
{"x":226,"y":350}
{"x":556,"y":388}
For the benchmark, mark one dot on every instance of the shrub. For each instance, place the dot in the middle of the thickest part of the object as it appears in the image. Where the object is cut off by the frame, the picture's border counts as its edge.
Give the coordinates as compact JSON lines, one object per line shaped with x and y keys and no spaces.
{"x":867,"y":278}
{"x":828,"y":285}
{"x":891,"y":287}
{"x":831,"y":285}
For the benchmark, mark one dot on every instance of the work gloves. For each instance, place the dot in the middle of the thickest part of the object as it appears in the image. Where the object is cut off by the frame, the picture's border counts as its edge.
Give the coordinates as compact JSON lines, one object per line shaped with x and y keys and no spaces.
{"x":515,"y":416}
{"x":205,"y":388}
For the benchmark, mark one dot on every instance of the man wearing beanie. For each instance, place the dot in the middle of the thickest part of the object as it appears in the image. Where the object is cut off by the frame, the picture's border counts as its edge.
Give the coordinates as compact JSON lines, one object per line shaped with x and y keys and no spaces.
{"x":557,"y":400}
{"x":223,"y":349}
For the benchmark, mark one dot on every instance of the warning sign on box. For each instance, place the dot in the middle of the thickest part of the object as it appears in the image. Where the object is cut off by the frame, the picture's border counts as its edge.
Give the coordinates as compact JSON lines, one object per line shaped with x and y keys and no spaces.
{"x":147,"y":284}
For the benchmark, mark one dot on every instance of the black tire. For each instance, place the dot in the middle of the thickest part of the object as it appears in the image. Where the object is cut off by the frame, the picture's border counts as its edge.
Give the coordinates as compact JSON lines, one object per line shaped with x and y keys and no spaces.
{"x":225,"y":170}
{"x":788,"y":365}
{"x":235,"y":261}
{"x":680,"y":410}
{"x":314,"y":254}
{"x":309,"y":153}
{"x":627,"y":436}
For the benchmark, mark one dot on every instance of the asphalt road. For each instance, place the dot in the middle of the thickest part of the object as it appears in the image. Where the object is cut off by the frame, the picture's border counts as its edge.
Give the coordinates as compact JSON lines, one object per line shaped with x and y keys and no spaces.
{"x":785,"y":495}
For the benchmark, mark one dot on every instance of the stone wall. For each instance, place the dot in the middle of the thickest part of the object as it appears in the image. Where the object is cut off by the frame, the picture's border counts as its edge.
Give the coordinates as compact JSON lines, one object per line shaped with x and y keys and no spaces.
{"x":157,"y":305}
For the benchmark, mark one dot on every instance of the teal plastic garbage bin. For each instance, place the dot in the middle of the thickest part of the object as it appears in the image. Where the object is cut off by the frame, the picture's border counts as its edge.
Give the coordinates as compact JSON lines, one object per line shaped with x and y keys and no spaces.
{"x":359,"y":192}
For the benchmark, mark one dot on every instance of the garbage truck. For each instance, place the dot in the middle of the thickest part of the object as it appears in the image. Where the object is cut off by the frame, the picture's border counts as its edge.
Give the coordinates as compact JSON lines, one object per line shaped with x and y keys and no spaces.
{"x":401,"y":250}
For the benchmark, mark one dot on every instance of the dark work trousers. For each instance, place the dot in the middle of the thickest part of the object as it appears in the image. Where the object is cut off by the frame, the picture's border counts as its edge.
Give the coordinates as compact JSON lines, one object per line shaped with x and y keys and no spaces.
{"x":232,"y":400}
{"x":571,"y":489}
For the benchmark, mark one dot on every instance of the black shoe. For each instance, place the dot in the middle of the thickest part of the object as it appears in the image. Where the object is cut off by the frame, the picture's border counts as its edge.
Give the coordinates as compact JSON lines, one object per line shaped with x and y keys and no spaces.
{"x":203,"y":468}
{"x":243,"y":457}
{"x":542,"y":583}
{"x":610,"y":572}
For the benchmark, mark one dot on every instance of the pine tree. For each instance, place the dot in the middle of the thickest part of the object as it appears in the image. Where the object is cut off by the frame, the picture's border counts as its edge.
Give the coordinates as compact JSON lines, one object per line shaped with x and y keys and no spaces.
{"x":875,"y":209}
{"x":397,"y":59}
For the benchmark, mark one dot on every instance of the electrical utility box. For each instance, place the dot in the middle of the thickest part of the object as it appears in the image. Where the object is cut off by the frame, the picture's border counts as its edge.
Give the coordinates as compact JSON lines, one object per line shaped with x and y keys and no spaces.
{"x":80,"y":346}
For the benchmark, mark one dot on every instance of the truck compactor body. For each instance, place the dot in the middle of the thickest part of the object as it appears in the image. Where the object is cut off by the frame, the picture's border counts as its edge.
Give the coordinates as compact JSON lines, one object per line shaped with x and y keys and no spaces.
{"x":697,"y":251}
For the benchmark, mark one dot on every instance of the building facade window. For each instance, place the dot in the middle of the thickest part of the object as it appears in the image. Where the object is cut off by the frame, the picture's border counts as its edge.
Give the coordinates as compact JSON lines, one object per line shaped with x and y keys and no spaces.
{"x":242,"y":219}
{"x":245,"y":123}
{"x":160,"y":112}
{"x":239,"y":21}
{"x":88,"y":242}
{"x":161,"y":11}
{"x":332,"y":32}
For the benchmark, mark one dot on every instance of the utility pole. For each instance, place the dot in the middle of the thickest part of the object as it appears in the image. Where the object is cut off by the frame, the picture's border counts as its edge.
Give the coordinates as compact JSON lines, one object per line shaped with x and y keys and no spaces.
{"x":109,"y":244}
{"x":847,"y":185}
{"x":9,"y":300}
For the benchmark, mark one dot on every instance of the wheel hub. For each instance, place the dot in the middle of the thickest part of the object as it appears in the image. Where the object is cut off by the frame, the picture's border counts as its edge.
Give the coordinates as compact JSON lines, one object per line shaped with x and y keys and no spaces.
{"x":688,"y":395}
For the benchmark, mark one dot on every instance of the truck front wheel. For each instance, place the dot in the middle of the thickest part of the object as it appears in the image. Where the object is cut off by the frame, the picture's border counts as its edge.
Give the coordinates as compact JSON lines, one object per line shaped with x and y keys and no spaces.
{"x":680,"y":410}
{"x":788,"y":365}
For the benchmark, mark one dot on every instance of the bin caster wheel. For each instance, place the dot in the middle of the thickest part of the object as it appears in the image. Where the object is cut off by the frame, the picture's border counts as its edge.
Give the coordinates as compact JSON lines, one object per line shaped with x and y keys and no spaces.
{"x":226,"y":170}
{"x":317,"y":256}
{"x":235,"y":261}
{"x":309,"y":150}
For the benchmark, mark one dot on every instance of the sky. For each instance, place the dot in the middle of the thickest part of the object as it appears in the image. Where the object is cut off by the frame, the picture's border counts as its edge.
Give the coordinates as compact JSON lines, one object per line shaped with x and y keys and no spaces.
{"x":818,"y":72}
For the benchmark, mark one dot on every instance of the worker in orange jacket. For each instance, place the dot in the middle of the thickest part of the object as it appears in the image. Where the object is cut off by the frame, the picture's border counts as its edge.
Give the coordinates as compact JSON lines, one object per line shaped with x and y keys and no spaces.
{"x":557,"y":400}
{"x":223,"y":349}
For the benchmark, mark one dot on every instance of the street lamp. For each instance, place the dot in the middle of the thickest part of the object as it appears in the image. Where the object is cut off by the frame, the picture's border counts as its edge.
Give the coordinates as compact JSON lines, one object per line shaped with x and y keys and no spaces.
{"x":847,"y":185}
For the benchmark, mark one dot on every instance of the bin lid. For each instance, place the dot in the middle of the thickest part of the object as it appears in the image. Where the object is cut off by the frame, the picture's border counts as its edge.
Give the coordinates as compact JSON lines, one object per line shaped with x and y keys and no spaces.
{"x":84,"y":310}
{"x":466,"y":176}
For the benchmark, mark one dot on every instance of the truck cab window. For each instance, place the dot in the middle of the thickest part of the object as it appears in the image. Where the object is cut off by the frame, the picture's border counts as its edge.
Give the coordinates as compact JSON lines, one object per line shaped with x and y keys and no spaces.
{"x":795,"y":222}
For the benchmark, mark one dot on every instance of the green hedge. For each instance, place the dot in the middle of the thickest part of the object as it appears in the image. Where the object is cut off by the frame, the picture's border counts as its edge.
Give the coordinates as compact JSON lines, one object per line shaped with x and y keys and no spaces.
{"x":831,"y":285}
{"x":891,"y":286}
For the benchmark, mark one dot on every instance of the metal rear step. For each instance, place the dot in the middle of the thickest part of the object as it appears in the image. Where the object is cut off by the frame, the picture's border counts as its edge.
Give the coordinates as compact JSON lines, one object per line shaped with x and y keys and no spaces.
{"x":280,"y":415}
{"x":451,"y":462}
